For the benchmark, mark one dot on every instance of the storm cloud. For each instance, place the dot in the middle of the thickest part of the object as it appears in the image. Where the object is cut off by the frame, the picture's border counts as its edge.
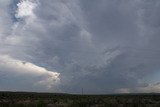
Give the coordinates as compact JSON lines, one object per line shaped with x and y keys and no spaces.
{"x":102,"y":46}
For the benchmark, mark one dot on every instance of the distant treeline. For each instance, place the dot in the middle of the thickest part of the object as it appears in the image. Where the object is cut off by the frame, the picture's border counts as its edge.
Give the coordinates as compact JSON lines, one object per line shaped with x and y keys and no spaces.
{"x":27,"y":99}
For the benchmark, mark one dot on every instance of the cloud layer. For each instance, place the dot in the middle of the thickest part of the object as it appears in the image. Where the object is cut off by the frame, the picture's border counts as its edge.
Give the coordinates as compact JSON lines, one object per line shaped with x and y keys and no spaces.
{"x":104,"y":46}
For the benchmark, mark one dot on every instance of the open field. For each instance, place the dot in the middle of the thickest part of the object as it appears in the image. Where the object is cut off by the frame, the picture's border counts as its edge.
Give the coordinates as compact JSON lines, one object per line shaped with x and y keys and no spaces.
{"x":25,"y":99}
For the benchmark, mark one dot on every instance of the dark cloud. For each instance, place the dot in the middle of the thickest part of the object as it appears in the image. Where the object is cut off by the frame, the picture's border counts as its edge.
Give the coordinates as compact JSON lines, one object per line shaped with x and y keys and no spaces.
{"x":103,"y":46}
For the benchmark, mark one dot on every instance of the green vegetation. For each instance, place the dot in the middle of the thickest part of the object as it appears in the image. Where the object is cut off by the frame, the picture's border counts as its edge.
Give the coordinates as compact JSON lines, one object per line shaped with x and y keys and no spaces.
{"x":23,"y":99}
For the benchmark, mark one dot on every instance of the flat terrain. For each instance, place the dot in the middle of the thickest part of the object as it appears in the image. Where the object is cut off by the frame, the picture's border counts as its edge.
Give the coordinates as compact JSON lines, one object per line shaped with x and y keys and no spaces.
{"x":25,"y":99}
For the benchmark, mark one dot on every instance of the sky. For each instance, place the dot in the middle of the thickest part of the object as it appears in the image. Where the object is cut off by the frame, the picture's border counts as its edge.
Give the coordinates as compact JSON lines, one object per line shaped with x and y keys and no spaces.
{"x":102,"y":46}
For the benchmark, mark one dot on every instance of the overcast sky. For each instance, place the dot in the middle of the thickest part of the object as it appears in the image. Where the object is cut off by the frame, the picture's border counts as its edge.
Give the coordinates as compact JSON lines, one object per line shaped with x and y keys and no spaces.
{"x":102,"y":46}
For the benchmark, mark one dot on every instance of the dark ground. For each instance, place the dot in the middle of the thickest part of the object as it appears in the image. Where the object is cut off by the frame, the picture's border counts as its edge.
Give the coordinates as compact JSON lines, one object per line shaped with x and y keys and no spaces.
{"x":26,"y":99}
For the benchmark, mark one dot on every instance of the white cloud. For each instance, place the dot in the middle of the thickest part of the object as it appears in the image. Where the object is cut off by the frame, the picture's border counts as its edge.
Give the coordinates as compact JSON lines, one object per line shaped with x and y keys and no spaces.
{"x":19,"y":69}
{"x":25,"y":9}
{"x":150,"y":88}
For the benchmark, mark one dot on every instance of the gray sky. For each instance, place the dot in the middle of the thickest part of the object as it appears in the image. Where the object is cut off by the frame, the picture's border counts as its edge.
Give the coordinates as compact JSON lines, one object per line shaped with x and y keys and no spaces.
{"x":102,"y":46}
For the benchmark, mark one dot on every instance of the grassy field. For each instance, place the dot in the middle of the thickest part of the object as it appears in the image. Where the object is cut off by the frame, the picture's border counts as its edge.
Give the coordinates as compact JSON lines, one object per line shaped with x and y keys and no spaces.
{"x":24,"y":99}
